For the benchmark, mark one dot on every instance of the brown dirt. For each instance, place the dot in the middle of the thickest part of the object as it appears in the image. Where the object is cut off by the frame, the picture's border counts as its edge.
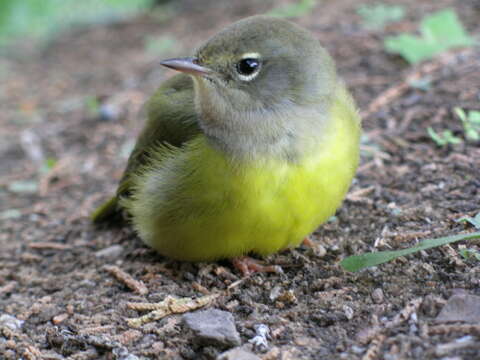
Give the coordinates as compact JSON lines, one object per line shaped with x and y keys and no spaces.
{"x":406,"y":189}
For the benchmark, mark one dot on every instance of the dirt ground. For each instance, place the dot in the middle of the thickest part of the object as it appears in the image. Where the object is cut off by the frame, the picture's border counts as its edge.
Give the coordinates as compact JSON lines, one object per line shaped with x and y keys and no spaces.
{"x":53,"y":273}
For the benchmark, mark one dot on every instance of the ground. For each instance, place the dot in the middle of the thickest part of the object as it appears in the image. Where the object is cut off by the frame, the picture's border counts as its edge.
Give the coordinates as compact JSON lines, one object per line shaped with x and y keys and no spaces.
{"x":55,"y":277}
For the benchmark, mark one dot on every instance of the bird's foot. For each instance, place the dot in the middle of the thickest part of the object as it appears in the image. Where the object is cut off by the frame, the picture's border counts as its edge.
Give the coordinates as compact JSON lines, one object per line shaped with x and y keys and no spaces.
{"x":317,"y":249}
{"x":308,"y":242}
{"x":246,"y":265}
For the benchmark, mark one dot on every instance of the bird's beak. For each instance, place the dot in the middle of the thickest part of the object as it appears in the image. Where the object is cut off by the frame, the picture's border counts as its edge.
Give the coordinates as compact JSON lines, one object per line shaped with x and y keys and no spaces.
{"x":186,"y":65}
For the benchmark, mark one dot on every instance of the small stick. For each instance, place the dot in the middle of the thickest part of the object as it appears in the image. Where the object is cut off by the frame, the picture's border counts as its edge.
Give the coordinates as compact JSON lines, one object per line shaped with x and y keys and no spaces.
{"x":135,"y":285}
{"x":374,"y":348}
{"x":400,"y":88}
{"x":48,"y":245}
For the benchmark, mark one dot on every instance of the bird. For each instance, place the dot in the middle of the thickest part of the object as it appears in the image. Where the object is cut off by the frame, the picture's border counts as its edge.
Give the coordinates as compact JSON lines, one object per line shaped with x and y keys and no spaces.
{"x":247,"y":150}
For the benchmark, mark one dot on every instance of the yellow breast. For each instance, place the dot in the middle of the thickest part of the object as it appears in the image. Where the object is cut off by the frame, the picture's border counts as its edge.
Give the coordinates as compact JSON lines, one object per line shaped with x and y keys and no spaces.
{"x":197,"y":205}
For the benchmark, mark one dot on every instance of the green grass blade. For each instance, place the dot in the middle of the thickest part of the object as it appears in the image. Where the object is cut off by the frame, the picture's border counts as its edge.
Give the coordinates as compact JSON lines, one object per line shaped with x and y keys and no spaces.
{"x":358,"y":262}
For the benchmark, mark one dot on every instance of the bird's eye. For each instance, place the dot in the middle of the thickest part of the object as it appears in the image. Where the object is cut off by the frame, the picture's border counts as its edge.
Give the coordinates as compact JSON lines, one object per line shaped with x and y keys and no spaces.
{"x":248,"y":68}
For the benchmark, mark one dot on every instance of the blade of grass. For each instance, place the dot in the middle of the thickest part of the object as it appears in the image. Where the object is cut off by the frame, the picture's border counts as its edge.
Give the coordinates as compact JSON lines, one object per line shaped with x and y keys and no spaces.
{"x":358,"y":262}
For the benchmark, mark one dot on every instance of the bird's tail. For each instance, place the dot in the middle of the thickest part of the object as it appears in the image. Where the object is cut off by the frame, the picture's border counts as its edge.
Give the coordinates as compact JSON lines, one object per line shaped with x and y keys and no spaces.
{"x":106,"y":212}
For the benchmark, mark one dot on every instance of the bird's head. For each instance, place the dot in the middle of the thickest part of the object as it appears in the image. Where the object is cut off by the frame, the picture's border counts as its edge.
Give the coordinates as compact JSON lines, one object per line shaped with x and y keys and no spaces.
{"x":254,"y":79}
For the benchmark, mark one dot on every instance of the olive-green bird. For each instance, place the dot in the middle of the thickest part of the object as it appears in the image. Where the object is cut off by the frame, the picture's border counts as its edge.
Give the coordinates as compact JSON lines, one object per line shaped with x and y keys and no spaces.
{"x":249,"y":150}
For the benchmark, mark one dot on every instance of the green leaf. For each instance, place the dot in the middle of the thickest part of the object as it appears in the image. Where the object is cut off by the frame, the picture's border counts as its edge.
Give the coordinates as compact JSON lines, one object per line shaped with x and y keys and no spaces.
{"x":23,"y":186}
{"x":47,"y":165}
{"x":460,"y":113}
{"x":40,"y":18}
{"x":445,"y":138}
{"x":439,"y":31}
{"x":93,"y":105}
{"x":378,"y":15}
{"x":358,"y":262}
{"x":470,"y":122}
{"x":475,"y":221}
{"x":474,"y":116}
{"x":10,"y":214}
{"x":468,"y":254}
{"x":301,"y":7}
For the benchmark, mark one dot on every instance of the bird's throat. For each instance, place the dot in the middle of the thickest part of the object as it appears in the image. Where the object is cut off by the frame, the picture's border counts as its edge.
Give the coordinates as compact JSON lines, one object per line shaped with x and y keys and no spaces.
{"x":286,"y":131}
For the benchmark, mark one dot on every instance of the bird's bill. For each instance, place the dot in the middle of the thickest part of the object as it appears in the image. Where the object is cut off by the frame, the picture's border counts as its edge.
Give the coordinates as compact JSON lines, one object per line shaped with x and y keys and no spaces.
{"x":186,"y":65}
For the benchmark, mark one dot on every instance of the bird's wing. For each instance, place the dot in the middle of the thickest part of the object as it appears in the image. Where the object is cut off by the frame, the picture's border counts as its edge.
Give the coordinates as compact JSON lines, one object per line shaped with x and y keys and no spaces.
{"x":171,"y":119}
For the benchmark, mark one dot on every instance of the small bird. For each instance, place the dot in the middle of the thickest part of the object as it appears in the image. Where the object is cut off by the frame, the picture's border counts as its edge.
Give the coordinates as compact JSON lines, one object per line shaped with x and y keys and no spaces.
{"x":248,"y":150}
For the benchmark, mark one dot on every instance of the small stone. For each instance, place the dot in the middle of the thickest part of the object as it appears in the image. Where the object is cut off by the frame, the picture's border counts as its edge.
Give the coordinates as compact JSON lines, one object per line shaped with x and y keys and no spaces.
{"x":348,"y":311}
{"x":110,"y":252}
{"x":11,"y":322}
{"x":238,"y":353}
{"x":214,"y":327}
{"x":461,"y":307}
{"x":275,"y":293}
{"x":377,"y":296}
{"x":288,"y":297}
{"x":109,"y":112}
{"x":121,"y":353}
{"x":260,"y":340}
{"x":273,"y":354}
{"x":58,"y":319}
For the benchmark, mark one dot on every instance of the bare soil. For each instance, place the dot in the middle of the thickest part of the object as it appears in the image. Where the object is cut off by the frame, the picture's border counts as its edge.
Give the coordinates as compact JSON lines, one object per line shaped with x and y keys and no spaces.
{"x":406,"y":189}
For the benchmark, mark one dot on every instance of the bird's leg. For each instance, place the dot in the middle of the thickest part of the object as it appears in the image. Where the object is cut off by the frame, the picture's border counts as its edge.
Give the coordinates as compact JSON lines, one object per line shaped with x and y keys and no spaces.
{"x":247,"y":266}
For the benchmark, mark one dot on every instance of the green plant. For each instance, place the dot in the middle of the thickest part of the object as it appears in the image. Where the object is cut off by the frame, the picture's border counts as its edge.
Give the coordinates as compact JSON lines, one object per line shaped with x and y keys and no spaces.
{"x":444,"y":138}
{"x":475,"y":221}
{"x":92,"y":105}
{"x":471,"y":123}
{"x":47,"y":165}
{"x":40,"y":18}
{"x":439,"y":31}
{"x":299,"y":8}
{"x":470,"y":254}
{"x":358,"y":262}
{"x":378,"y":15}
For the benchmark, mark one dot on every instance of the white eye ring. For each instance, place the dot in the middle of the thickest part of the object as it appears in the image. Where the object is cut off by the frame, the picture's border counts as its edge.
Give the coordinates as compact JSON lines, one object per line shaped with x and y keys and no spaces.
{"x":249,"y":66}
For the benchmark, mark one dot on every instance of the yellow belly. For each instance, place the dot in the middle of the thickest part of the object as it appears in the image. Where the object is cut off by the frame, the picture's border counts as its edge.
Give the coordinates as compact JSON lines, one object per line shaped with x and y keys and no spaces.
{"x":197,"y":205}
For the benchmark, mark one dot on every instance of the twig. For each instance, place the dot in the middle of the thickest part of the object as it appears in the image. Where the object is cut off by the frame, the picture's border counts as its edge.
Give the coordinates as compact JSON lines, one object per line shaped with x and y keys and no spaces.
{"x":454,"y":328}
{"x":374,"y":347}
{"x":7,"y":288}
{"x":169,"y":305}
{"x":370,"y":334}
{"x":48,"y":245}
{"x":95,"y":330}
{"x":399,"y":89}
{"x":135,"y":285}
{"x":360,"y":194}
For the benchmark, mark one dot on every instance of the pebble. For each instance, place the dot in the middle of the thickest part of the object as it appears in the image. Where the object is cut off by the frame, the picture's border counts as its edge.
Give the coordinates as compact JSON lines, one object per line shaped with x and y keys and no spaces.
{"x":377,"y":296}
{"x":461,"y":307}
{"x":213,"y":326}
{"x":110,"y":252}
{"x":11,"y":322}
{"x":238,"y":353}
